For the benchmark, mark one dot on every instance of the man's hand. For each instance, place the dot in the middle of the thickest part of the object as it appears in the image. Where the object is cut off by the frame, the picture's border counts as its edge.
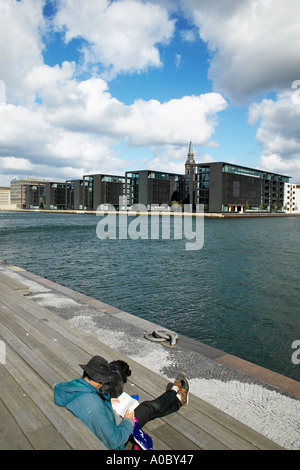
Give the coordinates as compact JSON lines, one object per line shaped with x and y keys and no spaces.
{"x":129,"y":414}
{"x":115,"y":400}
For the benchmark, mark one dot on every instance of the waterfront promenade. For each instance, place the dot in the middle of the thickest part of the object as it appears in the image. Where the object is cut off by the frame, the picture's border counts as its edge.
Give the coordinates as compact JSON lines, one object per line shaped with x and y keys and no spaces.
{"x":52,"y":329}
{"x":133,"y":213}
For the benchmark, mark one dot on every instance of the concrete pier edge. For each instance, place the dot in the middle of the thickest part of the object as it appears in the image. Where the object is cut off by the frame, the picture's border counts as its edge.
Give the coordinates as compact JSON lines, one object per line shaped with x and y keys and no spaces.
{"x":217,"y":215}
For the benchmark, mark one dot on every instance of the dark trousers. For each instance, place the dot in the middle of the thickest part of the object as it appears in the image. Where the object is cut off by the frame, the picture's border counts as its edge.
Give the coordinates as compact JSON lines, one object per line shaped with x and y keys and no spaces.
{"x":162,"y":406}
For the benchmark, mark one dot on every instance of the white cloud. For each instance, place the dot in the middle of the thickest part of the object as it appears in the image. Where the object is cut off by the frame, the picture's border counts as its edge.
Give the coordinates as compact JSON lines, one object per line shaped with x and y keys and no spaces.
{"x":121,"y":36}
{"x":57,"y":126}
{"x":85,"y":106}
{"x":275,"y":163}
{"x":15,"y":164}
{"x":170,"y":158}
{"x":89,"y":122}
{"x":278,"y":133}
{"x":51,"y":85}
{"x":177,"y":60}
{"x":174,"y":122}
{"x":23,"y":131}
{"x":255,"y":44}
{"x":21,"y":26}
{"x":88,"y":107}
{"x":27,"y":136}
{"x":188,"y":35}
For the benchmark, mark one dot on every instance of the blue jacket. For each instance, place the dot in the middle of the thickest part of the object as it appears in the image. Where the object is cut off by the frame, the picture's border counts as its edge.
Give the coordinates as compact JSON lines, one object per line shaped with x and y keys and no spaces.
{"x":94,"y":409}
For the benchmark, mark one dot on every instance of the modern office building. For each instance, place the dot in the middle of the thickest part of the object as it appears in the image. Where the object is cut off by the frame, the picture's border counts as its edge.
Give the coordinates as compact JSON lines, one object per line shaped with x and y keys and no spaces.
{"x":219,"y":186}
{"x":154,"y":188}
{"x":18,"y":190}
{"x":34,"y":196}
{"x":75,"y":201}
{"x":57,"y":195}
{"x":46,"y":195}
{"x":103,"y":190}
{"x":224,"y":187}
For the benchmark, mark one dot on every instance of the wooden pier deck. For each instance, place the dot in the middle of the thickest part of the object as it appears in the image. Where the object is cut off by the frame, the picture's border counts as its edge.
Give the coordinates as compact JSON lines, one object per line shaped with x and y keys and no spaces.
{"x":42,"y":349}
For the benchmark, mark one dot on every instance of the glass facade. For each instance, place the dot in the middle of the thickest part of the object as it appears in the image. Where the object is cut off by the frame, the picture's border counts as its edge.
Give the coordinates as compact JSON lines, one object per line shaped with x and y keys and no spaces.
{"x":134,"y":196}
{"x":159,"y":176}
{"x":71,"y":204}
{"x":103,"y":190}
{"x":113,"y":179}
{"x":203,"y":183}
{"x":239,"y":170}
{"x":223,"y":187}
{"x":58,"y":195}
{"x":89,"y":192}
{"x":218,"y":186}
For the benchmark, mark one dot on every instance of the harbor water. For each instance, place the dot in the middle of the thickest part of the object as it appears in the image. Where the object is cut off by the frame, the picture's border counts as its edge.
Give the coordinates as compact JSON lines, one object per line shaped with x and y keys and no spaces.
{"x":238,"y":293}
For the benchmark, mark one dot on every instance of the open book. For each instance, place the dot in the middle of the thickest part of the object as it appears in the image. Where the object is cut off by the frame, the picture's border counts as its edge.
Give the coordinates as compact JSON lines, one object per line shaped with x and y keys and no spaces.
{"x":126,"y":402}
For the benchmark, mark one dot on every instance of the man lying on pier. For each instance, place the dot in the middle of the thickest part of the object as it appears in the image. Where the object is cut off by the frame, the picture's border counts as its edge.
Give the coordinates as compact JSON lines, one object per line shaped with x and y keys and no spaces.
{"x":83,"y":397}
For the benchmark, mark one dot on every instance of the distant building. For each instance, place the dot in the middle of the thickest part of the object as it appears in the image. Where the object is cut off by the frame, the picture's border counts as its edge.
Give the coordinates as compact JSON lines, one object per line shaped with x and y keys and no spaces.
{"x":75,"y":200}
{"x":291,"y":198}
{"x":34,"y":196}
{"x":154,"y":188}
{"x":18,"y":190}
{"x":57,"y":195}
{"x":4,"y":195}
{"x":103,"y":190}
{"x":46,"y":195}
{"x":297,"y":209}
{"x":218,"y":186}
{"x":224,"y":187}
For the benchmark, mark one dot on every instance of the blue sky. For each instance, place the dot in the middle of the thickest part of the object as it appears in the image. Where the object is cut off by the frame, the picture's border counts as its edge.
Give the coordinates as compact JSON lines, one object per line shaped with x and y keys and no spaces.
{"x":109,"y":86}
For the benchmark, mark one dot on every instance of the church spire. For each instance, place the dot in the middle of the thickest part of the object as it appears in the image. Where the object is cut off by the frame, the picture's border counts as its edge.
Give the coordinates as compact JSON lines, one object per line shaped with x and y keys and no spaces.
{"x":191,"y":153}
{"x":190,"y":164}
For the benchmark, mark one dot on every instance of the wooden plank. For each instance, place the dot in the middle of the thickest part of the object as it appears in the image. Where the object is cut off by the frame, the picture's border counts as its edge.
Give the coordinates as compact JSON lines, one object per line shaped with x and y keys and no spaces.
{"x":41,"y":368}
{"x":46,"y":347}
{"x":249,"y":436}
{"x":177,"y":440}
{"x":73,"y":431}
{"x":41,"y":434}
{"x":35,"y":322}
{"x":223,"y":434}
{"x":27,"y":306}
{"x":11,"y":436}
{"x":11,"y":283}
{"x":198,"y":425}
